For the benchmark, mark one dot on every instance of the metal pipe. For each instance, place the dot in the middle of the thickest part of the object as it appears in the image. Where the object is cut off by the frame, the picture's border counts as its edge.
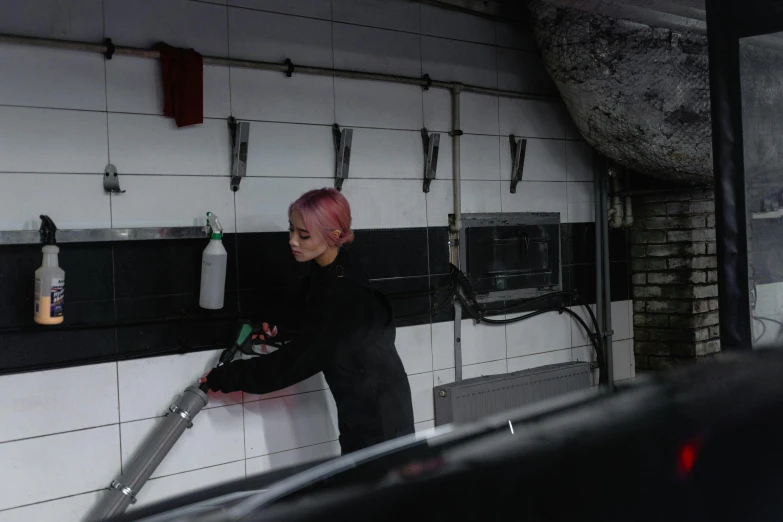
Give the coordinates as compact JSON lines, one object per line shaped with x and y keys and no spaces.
{"x":603,"y":295}
{"x":598,"y":165}
{"x":456,"y":225}
{"x":123,"y":491}
{"x":628,"y":212}
{"x":267,"y":66}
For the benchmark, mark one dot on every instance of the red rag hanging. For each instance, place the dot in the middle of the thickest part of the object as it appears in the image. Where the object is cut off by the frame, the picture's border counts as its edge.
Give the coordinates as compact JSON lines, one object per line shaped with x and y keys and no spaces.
{"x":183,"y":84}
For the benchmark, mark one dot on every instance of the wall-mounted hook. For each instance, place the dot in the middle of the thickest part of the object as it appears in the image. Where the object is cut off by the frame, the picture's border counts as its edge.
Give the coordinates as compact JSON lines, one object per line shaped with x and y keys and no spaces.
{"x":342,"y":146}
{"x":431,"y":144}
{"x":240,"y":138}
{"x":111,"y":180}
{"x":518,"y":148}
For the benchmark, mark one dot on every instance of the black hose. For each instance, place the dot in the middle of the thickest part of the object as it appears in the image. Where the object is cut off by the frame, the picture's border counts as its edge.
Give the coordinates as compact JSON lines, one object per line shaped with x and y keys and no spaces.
{"x":600,"y":350}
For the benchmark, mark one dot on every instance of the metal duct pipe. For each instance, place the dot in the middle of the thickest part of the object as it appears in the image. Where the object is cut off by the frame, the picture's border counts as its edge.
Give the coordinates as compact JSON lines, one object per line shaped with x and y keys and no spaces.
{"x":122,"y":492}
{"x":425,"y":81}
{"x":456,"y":225}
{"x":628,"y":213}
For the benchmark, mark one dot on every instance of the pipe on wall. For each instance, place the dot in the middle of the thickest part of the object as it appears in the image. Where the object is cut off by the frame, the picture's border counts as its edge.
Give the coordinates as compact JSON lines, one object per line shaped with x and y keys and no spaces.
{"x":456,"y":224}
{"x":424,"y":82}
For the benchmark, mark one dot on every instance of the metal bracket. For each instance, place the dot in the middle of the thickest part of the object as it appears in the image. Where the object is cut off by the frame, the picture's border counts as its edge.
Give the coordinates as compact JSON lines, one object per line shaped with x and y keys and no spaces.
{"x":111,"y":180}
{"x":240,"y":136}
{"x":431,"y":144}
{"x":518,"y":148}
{"x":342,"y":146}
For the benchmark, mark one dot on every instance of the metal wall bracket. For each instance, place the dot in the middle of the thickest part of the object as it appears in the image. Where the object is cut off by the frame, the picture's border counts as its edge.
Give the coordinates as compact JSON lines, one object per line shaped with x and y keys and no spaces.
{"x":111,"y":180}
{"x":431,"y":144}
{"x":240,"y":136}
{"x":518,"y":148}
{"x":342,"y":146}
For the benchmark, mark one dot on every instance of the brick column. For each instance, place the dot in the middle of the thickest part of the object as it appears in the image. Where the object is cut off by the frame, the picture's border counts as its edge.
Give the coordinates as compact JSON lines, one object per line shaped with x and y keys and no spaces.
{"x":674,"y":278}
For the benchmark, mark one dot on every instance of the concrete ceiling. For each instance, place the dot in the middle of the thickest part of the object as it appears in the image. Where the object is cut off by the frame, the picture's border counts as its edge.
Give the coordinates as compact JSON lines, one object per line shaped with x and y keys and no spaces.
{"x":682,"y":15}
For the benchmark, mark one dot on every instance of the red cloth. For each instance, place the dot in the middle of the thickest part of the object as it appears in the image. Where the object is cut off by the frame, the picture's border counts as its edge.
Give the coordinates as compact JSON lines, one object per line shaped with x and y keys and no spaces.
{"x":183,"y":84}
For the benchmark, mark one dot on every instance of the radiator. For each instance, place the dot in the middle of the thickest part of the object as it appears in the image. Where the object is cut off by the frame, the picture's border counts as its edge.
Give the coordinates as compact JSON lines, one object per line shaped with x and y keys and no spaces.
{"x":472,"y":399}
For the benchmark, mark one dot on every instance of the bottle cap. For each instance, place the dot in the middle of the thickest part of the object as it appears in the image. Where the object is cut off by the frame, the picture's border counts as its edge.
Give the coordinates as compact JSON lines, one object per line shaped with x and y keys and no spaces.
{"x":214,"y":225}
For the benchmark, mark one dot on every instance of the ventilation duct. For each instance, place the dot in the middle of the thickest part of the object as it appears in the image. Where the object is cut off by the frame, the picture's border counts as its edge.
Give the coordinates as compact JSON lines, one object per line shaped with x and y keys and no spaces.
{"x":638,"y":93}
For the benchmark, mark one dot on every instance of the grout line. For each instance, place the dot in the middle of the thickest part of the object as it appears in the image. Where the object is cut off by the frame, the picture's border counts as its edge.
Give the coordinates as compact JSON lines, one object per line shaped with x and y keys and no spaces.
{"x":293,"y":449}
{"x":59,"y":433}
{"x":334,"y":78}
{"x":52,"y":500}
{"x":281,"y":396}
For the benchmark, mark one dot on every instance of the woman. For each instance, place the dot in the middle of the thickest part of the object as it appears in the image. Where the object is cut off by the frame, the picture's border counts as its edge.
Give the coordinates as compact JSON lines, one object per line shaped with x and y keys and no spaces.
{"x":345,"y":330}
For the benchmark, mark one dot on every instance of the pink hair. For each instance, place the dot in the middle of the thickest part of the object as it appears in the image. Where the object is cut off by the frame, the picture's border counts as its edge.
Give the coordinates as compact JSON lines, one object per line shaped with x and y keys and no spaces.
{"x":324,"y":211}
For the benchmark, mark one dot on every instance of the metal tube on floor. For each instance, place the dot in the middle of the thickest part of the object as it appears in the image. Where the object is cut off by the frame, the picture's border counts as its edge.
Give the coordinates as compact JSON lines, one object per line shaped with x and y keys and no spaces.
{"x":123,"y":491}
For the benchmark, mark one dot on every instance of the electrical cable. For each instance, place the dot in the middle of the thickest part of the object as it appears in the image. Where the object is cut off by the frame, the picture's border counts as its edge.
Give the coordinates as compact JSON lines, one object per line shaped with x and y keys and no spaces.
{"x":763,"y":329}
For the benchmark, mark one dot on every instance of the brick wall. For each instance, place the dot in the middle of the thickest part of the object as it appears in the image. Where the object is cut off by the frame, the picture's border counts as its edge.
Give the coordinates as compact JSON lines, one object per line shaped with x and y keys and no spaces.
{"x":674,"y":278}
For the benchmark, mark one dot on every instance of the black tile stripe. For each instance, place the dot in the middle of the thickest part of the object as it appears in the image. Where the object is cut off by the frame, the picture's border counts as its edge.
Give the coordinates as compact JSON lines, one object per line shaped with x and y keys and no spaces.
{"x":157,"y":285}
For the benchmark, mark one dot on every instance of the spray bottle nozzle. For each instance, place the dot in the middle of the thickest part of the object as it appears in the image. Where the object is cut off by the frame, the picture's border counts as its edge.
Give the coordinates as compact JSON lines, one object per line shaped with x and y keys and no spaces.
{"x":48,"y":230}
{"x":216,"y":231}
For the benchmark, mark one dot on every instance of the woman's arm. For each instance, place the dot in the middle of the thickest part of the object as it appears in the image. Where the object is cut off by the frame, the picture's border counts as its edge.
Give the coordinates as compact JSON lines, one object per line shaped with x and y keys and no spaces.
{"x":303,"y":357}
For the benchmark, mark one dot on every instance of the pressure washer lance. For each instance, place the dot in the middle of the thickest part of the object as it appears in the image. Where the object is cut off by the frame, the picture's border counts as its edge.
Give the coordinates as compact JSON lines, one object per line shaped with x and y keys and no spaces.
{"x":122,"y":492}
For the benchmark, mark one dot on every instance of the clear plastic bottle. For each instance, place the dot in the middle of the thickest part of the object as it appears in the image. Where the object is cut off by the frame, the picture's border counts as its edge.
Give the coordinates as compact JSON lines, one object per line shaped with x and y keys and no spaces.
{"x":49,"y":288}
{"x":214,"y":261}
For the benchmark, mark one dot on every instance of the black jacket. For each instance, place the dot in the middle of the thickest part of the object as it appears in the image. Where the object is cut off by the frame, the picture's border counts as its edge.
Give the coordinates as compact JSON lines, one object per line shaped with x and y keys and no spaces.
{"x":346,"y":331}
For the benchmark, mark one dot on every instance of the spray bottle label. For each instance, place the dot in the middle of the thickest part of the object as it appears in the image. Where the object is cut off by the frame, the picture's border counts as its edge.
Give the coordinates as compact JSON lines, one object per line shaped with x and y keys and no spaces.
{"x":58,"y":297}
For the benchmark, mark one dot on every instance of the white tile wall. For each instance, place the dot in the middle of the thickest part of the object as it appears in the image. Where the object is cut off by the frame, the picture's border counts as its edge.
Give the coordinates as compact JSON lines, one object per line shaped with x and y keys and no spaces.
{"x":262,"y":203}
{"x":437,"y":21}
{"x":545,"y":160}
{"x":536,"y":196}
{"x":480,"y":344}
{"x":135,"y":85}
{"x":218,"y":429}
{"x":437,"y":111}
{"x":46,"y":468}
{"x":48,"y":191}
{"x":29,"y":409}
{"x":622,"y":355}
{"x":463,"y":62}
{"x":310,"y":8}
{"x":158,"y":489}
{"x":68,"y":509}
{"x":52,"y":78}
{"x":50,"y":140}
{"x":173,"y":176}
{"x":516,"y":36}
{"x":72,"y":20}
{"x":376,"y":50}
{"x":477,"y":196}
{"x":479,"y":157}
{"x":176,"y":201}
{"x":532,"y":118}
{"x":311,"y":384}
{"x":484,"y":369}
{"x":287,"y":423}
{"x":523,"y":71}
{"x":180,"y":23}
{"x":371,"y":206}
{"x":389,"y":154}
{"x":414,"y":345}
{"x":292,"y":457}
{"x":272,"y":37}
{"x":141,"y":144}
{"x":269,"y":151}
{"x":542,"y":333}
{"x":478,"y":114}
{"x":421,"y":394}
{"x":399,"y":15}
{"x":147,"y":387}
{"x":516,"y":364}
{"x":361,"y":103}
{"x":579,"y":161}
{"x":271,"y":96}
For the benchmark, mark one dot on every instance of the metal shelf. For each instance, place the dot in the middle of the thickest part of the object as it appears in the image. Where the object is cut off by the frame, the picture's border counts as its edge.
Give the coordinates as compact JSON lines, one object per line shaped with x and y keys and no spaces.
{"x":99,"y":235}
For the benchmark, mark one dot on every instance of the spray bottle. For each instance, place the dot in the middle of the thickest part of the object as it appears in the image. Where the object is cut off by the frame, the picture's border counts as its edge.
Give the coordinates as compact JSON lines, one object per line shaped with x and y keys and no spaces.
{"x":213,"y":267}
{"x":49,"y":279}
